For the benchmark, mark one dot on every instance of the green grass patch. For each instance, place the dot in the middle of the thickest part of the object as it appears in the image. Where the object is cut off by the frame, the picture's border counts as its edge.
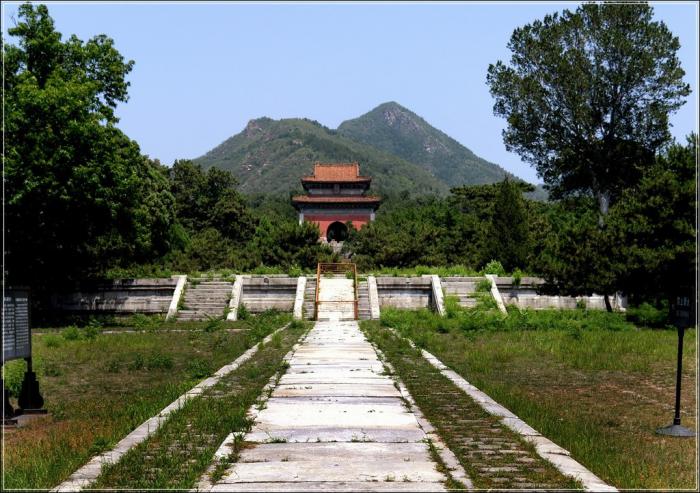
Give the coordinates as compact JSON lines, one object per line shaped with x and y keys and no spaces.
{"x":99,"y":389}
{"x":183,"y":448}
{"x":491,"y":454}
{"x":589,"y":380}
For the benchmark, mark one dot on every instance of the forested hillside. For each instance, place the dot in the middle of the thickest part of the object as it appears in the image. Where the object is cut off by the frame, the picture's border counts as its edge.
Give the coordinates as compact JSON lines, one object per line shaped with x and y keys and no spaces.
{"x":271,"y":156}
{"x":397,"y":130}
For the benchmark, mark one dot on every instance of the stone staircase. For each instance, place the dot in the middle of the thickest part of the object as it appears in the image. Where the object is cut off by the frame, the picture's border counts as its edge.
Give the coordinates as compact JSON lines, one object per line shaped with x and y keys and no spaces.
{"x":363,"y":311}
{"x":336,"y":298}
{"x":462,"y":287}
{"x":309,"y":298}
{"x":205,"y":299}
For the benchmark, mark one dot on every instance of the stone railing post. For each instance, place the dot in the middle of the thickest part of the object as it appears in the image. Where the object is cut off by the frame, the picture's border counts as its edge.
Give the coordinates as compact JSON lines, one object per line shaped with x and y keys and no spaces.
{"x":374,"y":311}
{"x":496,"y":293}
{"x":177,"y":294}
{"x":299,"y":298}
{"x":235,"y":299}
{"x":438,"y":297}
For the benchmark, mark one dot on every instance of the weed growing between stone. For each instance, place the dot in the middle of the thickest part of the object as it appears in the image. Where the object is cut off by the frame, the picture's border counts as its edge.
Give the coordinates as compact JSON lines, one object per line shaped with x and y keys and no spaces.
{"x":492,"y":455}
{"x":588,"y":380}
{"x":183,"y":448}
{"x":99,"y":389}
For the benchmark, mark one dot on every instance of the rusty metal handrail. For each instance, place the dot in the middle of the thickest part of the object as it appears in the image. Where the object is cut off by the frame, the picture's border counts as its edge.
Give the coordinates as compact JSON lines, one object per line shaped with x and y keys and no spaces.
{"x":354,"y":273}
{"x":318,"y":288}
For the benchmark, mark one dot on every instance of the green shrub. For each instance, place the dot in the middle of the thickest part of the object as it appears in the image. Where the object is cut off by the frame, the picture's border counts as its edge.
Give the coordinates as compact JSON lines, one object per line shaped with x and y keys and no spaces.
{"x":452,"y":307}
{"x":51,"y":340}
{"x":137,"y":363}
{"x":243,"y":313}
{"x":71,"y":333}
{"x":139,"y":321}
{"x":158,"y":361}
{"x":13,"y":374}
{"x":484,"y":286}
{"x":199,"y":368}
{"x":294,"y":271}
{"x":647,"y":315}
{"x":213,"y":325}
{"x":92,"y":331}
{"x":494,"y":267}
{"x":517,"y":277}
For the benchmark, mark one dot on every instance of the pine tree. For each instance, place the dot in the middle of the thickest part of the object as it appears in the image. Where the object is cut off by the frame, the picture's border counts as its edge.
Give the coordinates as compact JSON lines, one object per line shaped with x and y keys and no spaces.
{"x":508,"y":240}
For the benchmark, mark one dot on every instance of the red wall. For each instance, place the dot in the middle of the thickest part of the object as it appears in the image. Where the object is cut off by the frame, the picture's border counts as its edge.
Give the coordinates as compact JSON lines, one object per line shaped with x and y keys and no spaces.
{"x":323,"y":220}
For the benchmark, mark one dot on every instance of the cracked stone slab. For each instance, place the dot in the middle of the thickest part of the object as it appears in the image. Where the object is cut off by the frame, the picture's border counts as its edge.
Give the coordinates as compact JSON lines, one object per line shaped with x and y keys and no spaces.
{"x":334,"y":422}
{"x":326,"y":486}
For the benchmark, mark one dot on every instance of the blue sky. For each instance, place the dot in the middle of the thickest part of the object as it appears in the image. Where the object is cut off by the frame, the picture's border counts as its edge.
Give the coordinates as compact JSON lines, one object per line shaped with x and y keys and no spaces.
{"x":203,"y":71}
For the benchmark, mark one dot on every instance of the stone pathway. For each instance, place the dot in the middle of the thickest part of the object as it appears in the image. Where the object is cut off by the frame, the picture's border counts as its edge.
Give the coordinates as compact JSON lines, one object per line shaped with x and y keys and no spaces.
{"x":334,"y":422}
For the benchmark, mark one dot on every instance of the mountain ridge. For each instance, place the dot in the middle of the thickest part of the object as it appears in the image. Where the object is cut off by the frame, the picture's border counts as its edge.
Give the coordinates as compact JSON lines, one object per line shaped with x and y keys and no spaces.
{"x":399,"y":149}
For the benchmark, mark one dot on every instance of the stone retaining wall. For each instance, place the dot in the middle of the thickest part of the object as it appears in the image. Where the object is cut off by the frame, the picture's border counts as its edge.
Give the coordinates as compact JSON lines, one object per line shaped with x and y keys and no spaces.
{"x":118,"y":296}
{"x":525,"y":295}
{"x":262,"y":293}
{"x":405,"y":292}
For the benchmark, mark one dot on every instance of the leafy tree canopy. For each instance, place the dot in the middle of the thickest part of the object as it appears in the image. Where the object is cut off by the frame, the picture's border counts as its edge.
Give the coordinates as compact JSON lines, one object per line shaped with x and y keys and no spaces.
{"x":587,"y":95}
{"x":79,"y":195}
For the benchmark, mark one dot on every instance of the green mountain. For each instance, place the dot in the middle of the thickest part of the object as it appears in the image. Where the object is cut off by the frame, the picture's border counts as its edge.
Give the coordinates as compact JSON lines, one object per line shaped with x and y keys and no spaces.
{"x":270,"y":156}
{"x":397,"y":130}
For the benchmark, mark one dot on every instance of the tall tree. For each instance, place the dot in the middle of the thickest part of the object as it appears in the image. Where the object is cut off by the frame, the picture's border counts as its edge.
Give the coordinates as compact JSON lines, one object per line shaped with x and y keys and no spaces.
{"x":657,"y":246}
{"x":79,"y":196}
{"x":587,"y":96}
{"x":508,"y":238}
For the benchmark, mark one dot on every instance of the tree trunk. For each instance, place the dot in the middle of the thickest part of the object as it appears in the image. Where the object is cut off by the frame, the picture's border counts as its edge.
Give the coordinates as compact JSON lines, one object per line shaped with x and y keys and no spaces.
{"x":608,"y":305}
{"x":603,"y":207}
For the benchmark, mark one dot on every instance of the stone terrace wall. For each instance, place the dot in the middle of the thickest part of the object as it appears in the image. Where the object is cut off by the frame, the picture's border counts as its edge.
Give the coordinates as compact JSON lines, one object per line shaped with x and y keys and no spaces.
{"x":525,"y":295}
{"x":463,"y":288}
{"x":118,"y":296}
{"x":262,"y":293}
{"x":405,"y":292}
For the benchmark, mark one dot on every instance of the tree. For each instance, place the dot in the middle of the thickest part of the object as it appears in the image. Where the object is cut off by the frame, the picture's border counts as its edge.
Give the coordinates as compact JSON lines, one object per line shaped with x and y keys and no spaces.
{"x":209,"y":199}
{"x":657,"y":246}
{"x":79,"y":195}
{"x":508,"y":237}
{"x":587,"y":96}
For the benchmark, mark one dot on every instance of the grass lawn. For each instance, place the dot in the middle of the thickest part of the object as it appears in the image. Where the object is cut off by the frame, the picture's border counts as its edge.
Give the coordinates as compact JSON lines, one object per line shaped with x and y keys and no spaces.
{"x":590,"y":381}
{"x":492,"y":455}
{"x":182,"y":449}
{"x":99,"y":387}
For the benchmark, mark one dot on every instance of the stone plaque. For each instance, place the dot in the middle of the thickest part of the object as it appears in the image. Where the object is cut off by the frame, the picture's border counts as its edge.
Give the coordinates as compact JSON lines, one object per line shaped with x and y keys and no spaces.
{"x":16,"y":335}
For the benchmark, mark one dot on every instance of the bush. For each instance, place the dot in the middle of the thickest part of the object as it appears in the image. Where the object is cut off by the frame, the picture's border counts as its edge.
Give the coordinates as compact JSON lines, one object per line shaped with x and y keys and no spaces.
{"x":91,"y":331}
{"x":139,"y":321}
{"x":136,"y":363}
{"x":294,"y":271}
{"x":647,"y":315}
{"x":452,"y":307}
{"x":13,"y":374}
{"x":214,"y":324}
{"x":517,"y":277}
{"x":494,"y":267}
{"x":158,"y":361}
{"x":243,"y":313}
{"x":71,"y":333}
{"x":51,"y":340}
{"x":199,"y":368}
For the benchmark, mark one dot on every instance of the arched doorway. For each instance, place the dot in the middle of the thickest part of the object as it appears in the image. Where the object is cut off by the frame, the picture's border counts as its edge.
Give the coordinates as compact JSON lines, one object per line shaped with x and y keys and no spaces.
{"x":337,"y":231}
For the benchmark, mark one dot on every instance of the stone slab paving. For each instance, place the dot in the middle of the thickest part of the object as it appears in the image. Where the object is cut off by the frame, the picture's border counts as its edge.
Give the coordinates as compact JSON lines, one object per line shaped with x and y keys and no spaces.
{"x":334,"y":422}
